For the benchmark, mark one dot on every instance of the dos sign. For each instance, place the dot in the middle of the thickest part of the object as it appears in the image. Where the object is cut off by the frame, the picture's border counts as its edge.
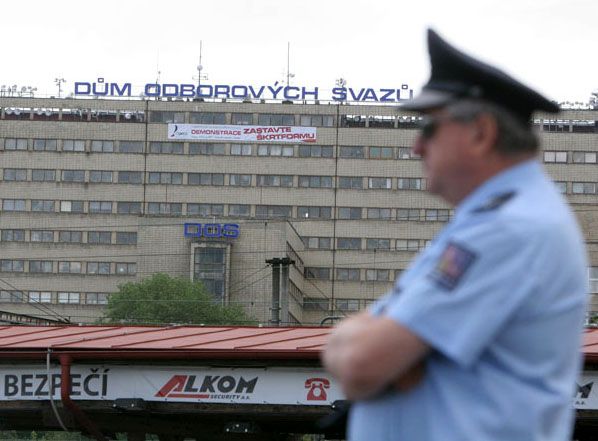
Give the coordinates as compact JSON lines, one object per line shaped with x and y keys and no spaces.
{"x":230,"y":231}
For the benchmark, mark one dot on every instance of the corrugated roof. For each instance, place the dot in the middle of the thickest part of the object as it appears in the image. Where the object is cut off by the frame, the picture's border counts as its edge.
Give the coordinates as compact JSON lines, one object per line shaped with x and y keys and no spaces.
{"x":238,"y":342}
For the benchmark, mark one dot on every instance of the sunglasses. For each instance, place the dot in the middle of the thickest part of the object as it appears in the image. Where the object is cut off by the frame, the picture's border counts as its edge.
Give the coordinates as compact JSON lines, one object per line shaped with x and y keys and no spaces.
{"x":429,"y":125}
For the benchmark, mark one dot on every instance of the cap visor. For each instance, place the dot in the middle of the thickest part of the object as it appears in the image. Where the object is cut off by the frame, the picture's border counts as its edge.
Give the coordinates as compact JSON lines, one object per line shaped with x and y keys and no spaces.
{"x":428,"y":99}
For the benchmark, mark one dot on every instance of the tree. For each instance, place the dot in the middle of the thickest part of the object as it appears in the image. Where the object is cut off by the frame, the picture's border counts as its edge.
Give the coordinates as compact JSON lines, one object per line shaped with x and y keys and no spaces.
{"x":165,"y":299}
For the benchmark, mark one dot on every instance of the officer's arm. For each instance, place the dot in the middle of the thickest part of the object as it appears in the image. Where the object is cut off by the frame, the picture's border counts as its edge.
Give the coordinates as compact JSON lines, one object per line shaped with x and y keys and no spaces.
{"x":367,"y":354}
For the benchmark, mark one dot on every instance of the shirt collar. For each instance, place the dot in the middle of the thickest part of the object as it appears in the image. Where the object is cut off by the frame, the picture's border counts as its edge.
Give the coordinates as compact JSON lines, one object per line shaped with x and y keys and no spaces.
{"x":510,"y":179}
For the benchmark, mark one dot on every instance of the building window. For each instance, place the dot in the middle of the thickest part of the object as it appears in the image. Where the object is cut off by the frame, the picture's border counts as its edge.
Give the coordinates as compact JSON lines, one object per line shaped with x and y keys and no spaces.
{"x":73,"y":145}
{"x":128,"y":207}
{"x":165,"y":178}
{"x":273,"y":211}
{"x":347,"y":305}
{"x":407,"y":245}
{"x":209,"y":266}
{"x":381,"y":153}
{"x":102,"y":146}
{"x":99,"y":237}
{"x":11,"y":296}
{"x":69,"y":297}
{"x":583,"y":188}
{"x":69,"y":267}
{"x":349,"y":212}
{"x":269,"y":119}
{"x":315,"y":181}
{"x":584,"y":157}
{"x":175,"y":148}
{"x":207,"y":118}
{"x":348,"y":243}
{"x":433,"y":215}
{"x":350,"y":274}
{"x":167,"y":117}
{"x":13,"y":204}
{"x":42,"y":236}
{"x":352,"y":152}
{"x":96,"y":298}
{"x":315,"y":304}
{"x":15,"y":144}
{"x":408,"y":214}
{"x":206,"y":149}
{"x":44,"y":144}
{"x":406,"y":153}
{"x":158,"y":208}
{"x":126,"y":238}
{"x":315,"y":151}
{"x":73,"y":176}
{"x":100,"y":207}
{"x":240,"y":180}
{"x":123,"y":269}
{"x":561,"y":186}
{"x":316,"y":120}
{"x":317,"y":243}
{"x":315,"y":272}
{"x":40,"y":266}
{"x":70,"y":236}
{"x":13,"y":235}
{"x":377,"y":244}
{"x":275,"y":150}
{"x":274,"y":180}
{"x":242,"y":118}
{"x":98,"y":268}
{"x":205,"y":210}
{"x":41,"y":175}
{"x":130,"y":147}
{"x":379,"y":213}
{"x":40,"y":205}
{"x":97,"y":176}
{"x":350,"y":182}
{"x":240,"y":149}
{"x":239,"y":210}
{"x":409,"y":183}
{"x":130,"y":177}
{"x":555,"y":156}
{"x":205,"y":179}
{"x":15,"y":174}
{"x":12,"y":265}
{"x":377,"y":275}
{"x":314,"y":212}
{"x":40,"y":297}
{"x":380,"y":183}
{"x":71,"y":206}
{"x":593,"y":279}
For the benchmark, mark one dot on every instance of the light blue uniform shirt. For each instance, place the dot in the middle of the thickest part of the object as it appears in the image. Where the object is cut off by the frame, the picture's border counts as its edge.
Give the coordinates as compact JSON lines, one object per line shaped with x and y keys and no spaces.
{"x":500,"y":297}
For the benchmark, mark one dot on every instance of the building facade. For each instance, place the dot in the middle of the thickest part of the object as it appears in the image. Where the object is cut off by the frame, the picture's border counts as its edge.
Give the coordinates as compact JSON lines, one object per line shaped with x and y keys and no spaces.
{"x":97,"y":192}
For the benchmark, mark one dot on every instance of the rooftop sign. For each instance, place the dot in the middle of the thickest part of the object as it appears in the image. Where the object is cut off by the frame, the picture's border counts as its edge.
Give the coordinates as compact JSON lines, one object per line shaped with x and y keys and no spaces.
{"x":102,"y":88}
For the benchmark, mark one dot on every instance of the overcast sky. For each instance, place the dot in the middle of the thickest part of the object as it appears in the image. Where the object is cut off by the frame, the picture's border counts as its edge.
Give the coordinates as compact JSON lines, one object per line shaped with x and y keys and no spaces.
{"x":549,"y":44}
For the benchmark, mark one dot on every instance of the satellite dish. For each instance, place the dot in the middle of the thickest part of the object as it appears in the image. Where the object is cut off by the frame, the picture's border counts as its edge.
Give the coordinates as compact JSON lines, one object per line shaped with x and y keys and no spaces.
{"x":8,"y":111}
{"x":40,"y":111}
{"x":48,"y":112}
{"x":127,"y":115}
{"x":17,"y":111}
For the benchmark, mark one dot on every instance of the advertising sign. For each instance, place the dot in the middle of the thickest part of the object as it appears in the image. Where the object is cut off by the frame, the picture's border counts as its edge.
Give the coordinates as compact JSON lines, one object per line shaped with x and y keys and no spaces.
{"x":263,"y":134}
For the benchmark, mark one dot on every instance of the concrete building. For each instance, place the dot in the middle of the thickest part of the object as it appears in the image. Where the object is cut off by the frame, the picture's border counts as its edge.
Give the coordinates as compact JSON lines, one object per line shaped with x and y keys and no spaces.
{"x":97,"y":192}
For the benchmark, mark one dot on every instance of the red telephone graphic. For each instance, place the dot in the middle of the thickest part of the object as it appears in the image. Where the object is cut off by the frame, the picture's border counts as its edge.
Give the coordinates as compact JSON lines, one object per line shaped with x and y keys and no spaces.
{"x":317,"y":388}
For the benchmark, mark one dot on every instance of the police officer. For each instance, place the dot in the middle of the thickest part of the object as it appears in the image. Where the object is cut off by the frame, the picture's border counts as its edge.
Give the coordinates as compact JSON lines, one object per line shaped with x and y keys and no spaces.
{"x":479,"y":338}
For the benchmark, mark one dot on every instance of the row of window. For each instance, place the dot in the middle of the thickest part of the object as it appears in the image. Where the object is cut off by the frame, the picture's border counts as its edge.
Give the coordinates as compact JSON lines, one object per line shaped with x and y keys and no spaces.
{"x":60,"y":297}
{"x":357,"y":243}
{"x":65,"y":236}
{"x":351,"y":274}
{"x":562,"y":156}
{"x":323,"y":304}
{"x":67,"y":267}
{"x":231,"y":210}
{"x":181,"y":148}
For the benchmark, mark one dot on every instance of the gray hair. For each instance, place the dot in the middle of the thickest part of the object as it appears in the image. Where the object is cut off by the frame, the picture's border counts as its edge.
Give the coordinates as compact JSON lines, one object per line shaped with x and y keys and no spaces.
{"x":514,"y":136}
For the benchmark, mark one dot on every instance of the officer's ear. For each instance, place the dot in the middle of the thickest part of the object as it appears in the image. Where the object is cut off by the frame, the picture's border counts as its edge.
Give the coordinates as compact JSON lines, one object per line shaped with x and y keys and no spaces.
{"x":485,"y":132}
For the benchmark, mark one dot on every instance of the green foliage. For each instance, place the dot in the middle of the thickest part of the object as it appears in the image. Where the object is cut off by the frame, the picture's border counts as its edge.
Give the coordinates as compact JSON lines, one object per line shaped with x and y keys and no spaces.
{"x":164,"y":299}
{"x":14,"y":435}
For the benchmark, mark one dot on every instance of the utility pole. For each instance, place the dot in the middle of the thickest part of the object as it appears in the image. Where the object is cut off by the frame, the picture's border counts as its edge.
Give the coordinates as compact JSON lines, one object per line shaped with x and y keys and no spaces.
{"x":280,"y":301}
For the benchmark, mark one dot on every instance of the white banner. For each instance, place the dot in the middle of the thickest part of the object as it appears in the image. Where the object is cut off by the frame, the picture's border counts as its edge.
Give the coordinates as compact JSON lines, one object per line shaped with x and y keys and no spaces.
{"x":203,"y":384}
{"x":263,"y":134}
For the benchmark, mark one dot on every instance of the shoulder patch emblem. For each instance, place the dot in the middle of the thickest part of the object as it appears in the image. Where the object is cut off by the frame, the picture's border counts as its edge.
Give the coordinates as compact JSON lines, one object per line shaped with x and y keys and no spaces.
{"x":495,"y":202}
{"x":453,"y":263}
